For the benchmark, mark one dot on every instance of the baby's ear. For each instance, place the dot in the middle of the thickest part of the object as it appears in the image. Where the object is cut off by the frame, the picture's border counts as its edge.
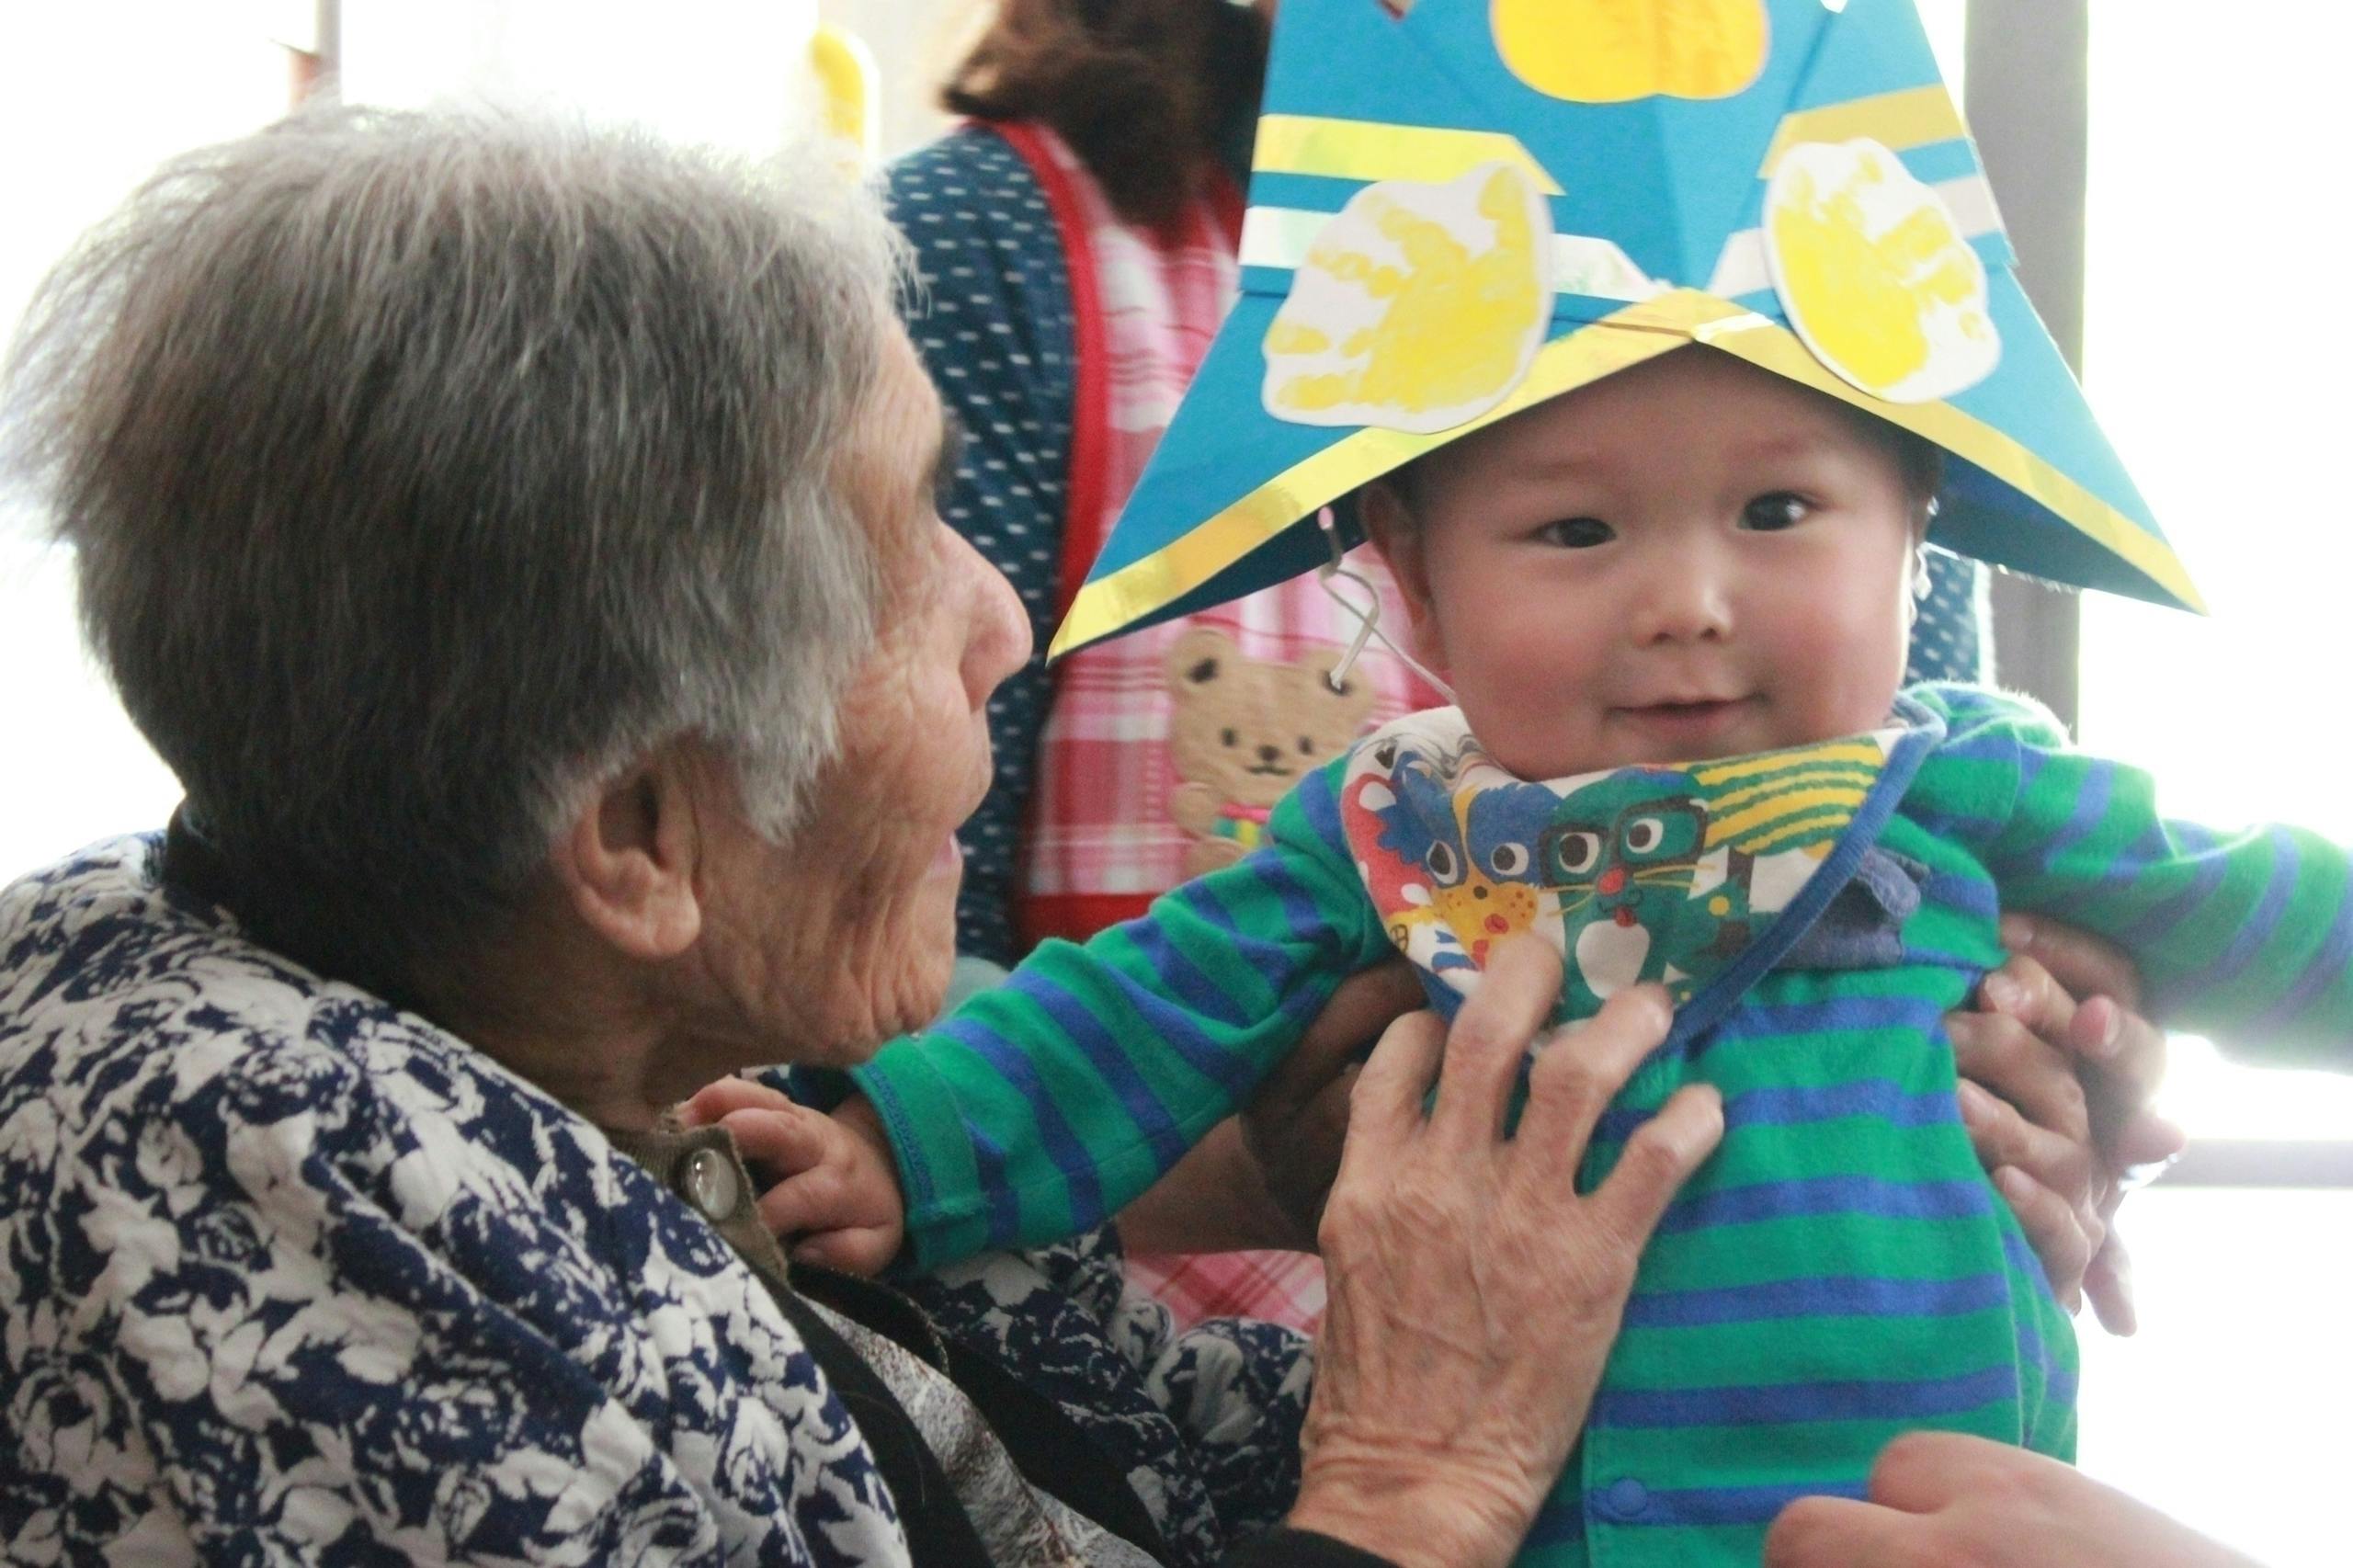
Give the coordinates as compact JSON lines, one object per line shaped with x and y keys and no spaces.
{"x":1390,"y":524}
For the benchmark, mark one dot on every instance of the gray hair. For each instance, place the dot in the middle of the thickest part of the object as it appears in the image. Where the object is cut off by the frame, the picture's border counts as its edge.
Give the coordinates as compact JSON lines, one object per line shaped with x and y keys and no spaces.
{"x":423,"y":470}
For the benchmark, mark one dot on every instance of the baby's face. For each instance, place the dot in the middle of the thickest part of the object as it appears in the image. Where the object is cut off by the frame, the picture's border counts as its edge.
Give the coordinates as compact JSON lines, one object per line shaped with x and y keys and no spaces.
{"x":1689,"y":559}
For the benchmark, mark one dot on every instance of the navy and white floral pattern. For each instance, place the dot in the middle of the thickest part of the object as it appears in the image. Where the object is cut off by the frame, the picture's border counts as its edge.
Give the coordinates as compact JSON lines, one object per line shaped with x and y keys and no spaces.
{"x":1205,"y":1423}
{"x":294,"y":1276}
{"x":289,"y":1274}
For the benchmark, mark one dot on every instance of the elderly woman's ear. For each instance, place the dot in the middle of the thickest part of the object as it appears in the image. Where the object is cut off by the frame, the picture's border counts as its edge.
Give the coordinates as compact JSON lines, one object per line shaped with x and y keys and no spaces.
{"x":627,"y":863}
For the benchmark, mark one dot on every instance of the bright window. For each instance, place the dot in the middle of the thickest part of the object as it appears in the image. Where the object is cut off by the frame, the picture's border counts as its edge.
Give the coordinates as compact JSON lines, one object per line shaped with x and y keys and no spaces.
{"x":97,"y":95}
{"x":2211,"y":346}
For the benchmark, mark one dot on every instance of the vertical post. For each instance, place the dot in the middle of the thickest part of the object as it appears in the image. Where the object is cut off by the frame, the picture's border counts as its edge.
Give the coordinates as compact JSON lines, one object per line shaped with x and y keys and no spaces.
{"x":318,"y":56}
{"x":2026,"y":102}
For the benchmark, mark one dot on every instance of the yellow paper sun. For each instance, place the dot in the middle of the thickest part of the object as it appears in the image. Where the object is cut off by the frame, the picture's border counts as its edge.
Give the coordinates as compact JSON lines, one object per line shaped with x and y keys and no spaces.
{"x":1876,"y":276}
{"x":1609,"y":51}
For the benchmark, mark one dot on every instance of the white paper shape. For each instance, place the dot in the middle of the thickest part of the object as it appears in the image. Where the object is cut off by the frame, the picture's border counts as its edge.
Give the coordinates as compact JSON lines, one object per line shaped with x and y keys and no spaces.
{"x":1877,"y":274}
{"x":1418,"y":306}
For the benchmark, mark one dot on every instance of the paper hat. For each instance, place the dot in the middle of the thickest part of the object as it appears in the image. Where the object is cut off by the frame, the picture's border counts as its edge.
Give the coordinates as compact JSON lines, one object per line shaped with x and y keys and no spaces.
{"x":1461,"y":212}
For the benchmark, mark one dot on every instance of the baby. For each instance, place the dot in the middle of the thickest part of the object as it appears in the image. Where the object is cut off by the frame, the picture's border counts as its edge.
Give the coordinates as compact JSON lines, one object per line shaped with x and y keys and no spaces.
{"x":1673,"y":604}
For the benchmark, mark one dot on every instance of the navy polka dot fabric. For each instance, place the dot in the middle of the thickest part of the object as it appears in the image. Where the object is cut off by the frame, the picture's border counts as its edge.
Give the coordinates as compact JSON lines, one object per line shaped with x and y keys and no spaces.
{"x":993,"y":321}
{"x":1949,"y":640}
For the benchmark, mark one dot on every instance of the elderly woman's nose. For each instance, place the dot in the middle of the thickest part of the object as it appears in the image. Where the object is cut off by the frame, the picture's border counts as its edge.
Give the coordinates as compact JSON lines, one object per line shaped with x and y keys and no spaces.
{"x":997,"y":637}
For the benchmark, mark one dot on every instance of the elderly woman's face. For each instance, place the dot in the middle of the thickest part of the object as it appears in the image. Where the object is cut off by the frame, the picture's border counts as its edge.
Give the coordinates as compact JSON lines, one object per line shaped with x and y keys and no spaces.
{"x":845,"y":935}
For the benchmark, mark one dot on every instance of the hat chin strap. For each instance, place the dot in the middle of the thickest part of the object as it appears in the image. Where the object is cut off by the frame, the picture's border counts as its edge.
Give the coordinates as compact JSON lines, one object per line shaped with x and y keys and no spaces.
{"x":1367,"y":615}
{"x":1922,"y":584}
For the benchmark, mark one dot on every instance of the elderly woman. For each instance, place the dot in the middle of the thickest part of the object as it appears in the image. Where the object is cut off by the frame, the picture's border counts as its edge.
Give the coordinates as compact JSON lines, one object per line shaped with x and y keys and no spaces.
{"x":521,"y":546}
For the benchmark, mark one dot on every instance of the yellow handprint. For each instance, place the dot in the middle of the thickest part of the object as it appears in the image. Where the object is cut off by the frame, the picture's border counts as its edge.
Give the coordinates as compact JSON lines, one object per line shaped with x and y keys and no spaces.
{"x":1876,"y":276}
{"x":1608,"y":52}
{"x":1418,"y":306}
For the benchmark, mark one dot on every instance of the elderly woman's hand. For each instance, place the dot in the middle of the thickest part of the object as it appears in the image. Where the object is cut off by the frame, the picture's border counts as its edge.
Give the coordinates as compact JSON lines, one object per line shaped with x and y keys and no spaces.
{"x":1297,"y":1124}
{"x":2056,"y":1096}
{"x":1259,"y":1179}
{"x":1475,"y":1294}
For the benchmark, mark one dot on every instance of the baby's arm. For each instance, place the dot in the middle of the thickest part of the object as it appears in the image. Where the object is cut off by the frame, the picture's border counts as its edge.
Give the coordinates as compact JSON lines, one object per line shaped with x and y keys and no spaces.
{"x":1048,"y":1103}
{"x":2249,"y":933}
{"x":834,"y":1200}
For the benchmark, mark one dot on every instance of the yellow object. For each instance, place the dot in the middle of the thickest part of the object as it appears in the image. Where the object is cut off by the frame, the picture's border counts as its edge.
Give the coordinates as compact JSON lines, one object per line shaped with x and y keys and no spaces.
{"x":1916,"y":117}
{"x":1876,"y":276}
{"x":1418,"y":306}
{"x":1372,"y":150}
{"x":847,"y":77}
{"x":1609,"y":51}
{"x":1830,"y":754}
{"x":1760,"y":827}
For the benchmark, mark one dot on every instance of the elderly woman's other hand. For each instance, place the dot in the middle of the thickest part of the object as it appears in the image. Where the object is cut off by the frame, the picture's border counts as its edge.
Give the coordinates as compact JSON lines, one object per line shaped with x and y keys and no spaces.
{"x":1259,"y":1179}
{"x":1474,"y":1293}
{"x":2119,"y":1057}
{"x":1943,"y":1500}
{"x":1295,"y":1126}
{"x":2058,"y":1101}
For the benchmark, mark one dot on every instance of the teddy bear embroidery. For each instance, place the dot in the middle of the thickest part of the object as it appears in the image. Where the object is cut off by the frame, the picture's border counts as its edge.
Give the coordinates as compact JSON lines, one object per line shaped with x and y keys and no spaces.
{"x":1242,"y":732}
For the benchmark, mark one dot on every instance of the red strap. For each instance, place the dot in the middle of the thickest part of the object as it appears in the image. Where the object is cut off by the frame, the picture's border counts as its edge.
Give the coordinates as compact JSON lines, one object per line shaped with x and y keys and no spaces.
{"x":1226,"y":200}
{"x":1084,"y":482}
{"x":1073,"y":917}
{"x":1091,"y":420}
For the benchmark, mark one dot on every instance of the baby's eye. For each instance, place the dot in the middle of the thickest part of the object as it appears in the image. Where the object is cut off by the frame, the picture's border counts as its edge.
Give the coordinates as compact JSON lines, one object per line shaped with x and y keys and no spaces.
{"x":1770,"y":514}
{"x":1576,"y":533}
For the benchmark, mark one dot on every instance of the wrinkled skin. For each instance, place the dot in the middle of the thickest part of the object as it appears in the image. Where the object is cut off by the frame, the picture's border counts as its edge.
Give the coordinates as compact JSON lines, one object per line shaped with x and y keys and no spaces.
{"x":846,"y":934}
{"x":1474,"y":1293}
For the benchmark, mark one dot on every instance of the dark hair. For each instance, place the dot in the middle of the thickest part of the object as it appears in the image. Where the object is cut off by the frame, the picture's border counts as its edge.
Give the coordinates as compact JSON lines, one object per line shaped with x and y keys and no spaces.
{"x":1923,"y":462}
{"x":422,"y":471}
{"x":1144,"y":90}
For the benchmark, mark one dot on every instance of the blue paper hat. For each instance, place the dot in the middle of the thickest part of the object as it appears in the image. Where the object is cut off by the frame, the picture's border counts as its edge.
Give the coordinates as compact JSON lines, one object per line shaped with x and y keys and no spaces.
{"x":1459,"y":212}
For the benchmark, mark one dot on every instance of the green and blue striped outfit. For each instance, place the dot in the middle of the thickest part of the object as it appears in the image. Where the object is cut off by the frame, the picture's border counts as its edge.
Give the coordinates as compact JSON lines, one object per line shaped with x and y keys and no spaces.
{"x":1841,"y":1270}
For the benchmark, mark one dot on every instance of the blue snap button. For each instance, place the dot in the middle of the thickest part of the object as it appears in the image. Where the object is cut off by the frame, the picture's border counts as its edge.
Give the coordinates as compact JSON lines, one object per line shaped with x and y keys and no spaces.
{"x":1626,"y":1498}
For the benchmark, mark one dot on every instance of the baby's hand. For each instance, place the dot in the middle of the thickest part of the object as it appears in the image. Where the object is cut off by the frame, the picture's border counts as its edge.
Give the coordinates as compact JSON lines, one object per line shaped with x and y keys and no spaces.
{"x":836,"y":1198}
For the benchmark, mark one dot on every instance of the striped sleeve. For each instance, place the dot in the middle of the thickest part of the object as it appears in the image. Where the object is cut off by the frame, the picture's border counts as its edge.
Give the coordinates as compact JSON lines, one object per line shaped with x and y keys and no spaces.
{"x":1043,"y":1106}
{"x":2247,"y":934}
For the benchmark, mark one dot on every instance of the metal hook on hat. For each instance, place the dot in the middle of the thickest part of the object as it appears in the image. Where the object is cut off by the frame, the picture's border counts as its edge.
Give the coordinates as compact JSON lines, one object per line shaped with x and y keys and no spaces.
{"x":1367,"y":615}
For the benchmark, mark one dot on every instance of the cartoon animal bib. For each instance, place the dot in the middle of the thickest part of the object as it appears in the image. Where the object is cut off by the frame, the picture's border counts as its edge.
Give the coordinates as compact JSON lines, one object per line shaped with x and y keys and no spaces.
{"x":1698,"y":876}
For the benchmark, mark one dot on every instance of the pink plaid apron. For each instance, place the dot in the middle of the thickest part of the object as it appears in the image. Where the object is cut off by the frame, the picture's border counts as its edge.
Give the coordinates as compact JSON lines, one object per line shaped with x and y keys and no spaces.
{"x":1103,"y":838}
